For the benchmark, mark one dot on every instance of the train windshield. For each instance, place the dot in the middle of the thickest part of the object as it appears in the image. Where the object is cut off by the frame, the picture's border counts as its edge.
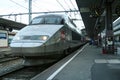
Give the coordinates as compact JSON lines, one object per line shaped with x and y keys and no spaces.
{"x":47,"y":20}
{"x":37,"y":21}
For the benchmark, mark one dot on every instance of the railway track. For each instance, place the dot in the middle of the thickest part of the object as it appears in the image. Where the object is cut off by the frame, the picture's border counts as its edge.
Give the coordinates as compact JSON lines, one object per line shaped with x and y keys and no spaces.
{"x":25,"y":73}
{"x":13,"y":68}
{"x":6,"y":59}
{"x":9,"y":64}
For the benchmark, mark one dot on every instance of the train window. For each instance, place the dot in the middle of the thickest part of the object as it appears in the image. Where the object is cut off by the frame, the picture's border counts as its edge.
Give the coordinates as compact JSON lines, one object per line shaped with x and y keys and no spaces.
{"x":38,"y":20}
{"x":48,"y":20}
{"x":52,"y":20}
{"x":3,"y":36}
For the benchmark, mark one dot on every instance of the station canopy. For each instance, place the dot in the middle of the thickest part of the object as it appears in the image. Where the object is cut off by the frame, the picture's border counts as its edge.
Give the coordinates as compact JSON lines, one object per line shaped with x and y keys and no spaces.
{"x":93,"y":14}
{"x":5,"y":23}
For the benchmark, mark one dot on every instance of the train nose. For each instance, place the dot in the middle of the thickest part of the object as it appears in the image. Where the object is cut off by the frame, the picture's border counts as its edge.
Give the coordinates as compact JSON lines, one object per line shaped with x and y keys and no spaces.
{"x":20,"y":49}
{"x":29,"y":40}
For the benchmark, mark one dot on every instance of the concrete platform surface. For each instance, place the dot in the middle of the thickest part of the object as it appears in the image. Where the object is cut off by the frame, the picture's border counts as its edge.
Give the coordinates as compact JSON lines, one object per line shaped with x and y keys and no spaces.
{"x":81,"y":65}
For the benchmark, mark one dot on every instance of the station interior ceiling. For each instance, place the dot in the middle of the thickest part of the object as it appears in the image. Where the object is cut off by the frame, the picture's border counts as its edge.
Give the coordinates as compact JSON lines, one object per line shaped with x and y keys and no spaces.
{"x":93,"y":14}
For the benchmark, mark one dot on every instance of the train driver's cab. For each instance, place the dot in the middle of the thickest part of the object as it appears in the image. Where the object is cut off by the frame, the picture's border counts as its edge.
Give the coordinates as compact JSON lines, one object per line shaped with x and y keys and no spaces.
{"x":51,"y":19}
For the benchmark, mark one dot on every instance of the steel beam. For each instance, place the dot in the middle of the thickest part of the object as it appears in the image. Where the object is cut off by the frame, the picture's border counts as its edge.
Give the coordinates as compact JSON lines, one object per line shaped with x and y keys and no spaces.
{"x":109,"y":45}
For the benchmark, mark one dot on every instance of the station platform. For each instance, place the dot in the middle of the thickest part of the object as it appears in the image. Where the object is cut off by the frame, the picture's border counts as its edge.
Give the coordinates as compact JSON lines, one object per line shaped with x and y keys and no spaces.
{"x":87,"y":63}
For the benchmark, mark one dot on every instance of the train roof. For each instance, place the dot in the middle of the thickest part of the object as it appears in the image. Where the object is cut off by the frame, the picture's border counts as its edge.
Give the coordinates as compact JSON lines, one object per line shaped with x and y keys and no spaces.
{"x":60,"y":15}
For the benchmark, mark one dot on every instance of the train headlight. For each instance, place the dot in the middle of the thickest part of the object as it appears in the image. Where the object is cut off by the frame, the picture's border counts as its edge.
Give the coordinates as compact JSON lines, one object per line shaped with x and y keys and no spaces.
{"x":44,"y":37}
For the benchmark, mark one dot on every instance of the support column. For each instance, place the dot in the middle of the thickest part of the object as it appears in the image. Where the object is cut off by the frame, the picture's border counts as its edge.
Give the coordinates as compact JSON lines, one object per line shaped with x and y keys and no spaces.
{"x":30,"y":9}
{"x":109,"y":29}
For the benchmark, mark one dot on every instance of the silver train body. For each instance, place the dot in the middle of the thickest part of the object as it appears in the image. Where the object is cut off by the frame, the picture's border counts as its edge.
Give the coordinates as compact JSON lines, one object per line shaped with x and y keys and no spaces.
{"x":48,"y":36}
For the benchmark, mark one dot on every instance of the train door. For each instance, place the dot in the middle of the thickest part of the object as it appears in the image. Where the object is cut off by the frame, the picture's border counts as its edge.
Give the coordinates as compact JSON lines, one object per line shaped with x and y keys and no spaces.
{"x":3,"y":38}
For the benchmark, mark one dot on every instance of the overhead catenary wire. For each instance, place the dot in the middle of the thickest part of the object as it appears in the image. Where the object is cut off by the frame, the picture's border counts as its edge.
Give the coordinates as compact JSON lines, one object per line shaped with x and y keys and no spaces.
{"x":18,"y":4}
{"x":38,"y":7}
{"x":67,"y":4}
{"x":39,"y":13}
{"x":75,"y":13}
{"x":68,"y":7}
{"x":73,"y":5}
{"x":15,"y":9}
{"x":60,"y":4}
{"x":58,"y":1}
{"x":63,"y":7}
{"x":21,"y":9}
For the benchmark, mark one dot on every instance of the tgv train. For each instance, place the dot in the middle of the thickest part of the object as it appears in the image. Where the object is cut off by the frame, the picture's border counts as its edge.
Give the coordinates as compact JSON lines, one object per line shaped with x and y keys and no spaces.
{"x":47,"y":36}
